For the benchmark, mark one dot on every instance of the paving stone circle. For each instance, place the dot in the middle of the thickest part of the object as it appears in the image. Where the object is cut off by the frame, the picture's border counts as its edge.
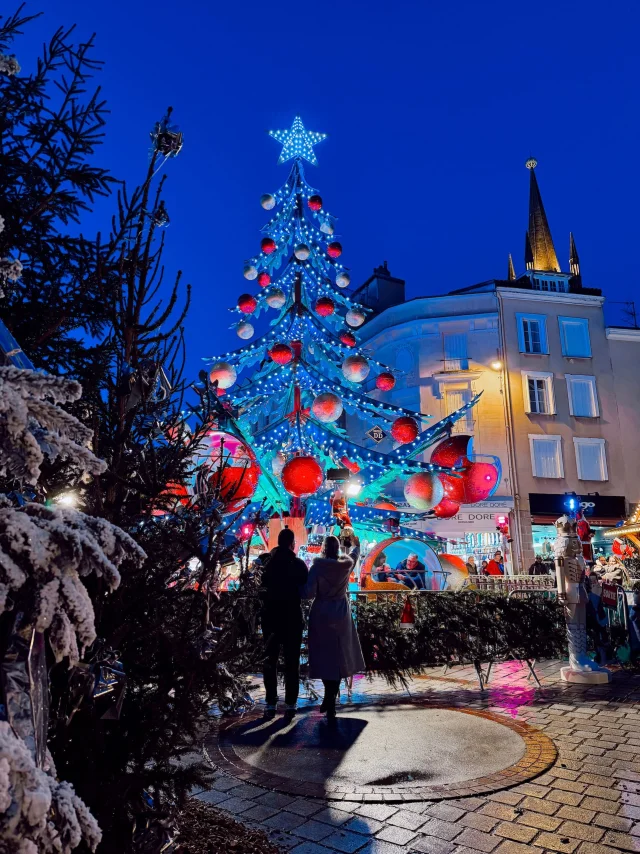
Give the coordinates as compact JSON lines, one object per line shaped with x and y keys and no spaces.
{"x":392,"y":752}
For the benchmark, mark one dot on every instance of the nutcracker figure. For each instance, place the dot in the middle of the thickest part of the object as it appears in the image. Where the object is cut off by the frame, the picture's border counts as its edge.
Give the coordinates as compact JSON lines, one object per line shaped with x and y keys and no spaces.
{"x":570,"y":574}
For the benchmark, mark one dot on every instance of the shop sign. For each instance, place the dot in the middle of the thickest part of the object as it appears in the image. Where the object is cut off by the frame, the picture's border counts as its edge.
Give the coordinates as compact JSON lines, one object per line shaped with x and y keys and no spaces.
{"x":609,"y":595}
{"x":472,"y":518}
{"x":599,"y":506}
{"x":377,"y":434}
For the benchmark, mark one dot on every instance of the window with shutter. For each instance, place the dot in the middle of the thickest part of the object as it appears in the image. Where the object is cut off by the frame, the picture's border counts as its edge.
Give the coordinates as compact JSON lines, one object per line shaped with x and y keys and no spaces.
{"x":591,"y":460}
{"x":546,"y":456}
{"x":454,"y":399}
{"x":455,"y":352}
{"x":583,"y":397}
{"x":574,"y":336}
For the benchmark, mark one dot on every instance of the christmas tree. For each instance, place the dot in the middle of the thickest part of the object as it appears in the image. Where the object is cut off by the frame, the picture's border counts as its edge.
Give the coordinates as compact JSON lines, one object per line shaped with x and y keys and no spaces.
{"x":293,"y":387}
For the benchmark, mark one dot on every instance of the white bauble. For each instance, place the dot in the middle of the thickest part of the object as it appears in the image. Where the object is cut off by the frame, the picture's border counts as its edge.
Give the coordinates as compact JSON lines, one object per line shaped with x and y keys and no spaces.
{"x":224,"y":373}
{"x":250,"y":272}
{"x":244,"y":330}
{"x":275,"y":298}
{"x":343,"y":280}
{"x":268,"y":201}
{"x":354,"y":317}
{"x":327,"y":407}
{"x":355,"y":368}
{"x":302,"y":251}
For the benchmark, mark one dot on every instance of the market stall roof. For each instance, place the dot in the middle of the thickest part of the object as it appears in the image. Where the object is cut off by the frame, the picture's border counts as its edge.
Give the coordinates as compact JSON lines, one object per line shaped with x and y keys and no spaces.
{"x":630,"y":528}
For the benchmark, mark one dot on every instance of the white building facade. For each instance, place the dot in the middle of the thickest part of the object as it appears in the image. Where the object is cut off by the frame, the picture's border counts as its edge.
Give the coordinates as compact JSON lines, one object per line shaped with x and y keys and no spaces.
{"x":560,"y":403}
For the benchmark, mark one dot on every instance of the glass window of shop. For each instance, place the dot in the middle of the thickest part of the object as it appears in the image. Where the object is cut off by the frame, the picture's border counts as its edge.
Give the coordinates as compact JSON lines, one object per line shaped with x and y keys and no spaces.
{"x":544,"y":536}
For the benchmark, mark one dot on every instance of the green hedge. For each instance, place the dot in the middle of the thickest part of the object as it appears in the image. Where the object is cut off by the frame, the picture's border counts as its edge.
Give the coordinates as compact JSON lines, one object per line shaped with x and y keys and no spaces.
{"x":450,"y":628}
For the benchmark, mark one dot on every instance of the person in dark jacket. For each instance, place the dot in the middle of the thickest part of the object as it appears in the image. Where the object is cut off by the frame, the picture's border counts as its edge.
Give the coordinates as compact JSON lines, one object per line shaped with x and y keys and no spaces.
{"x":282,"y":579}
{"x":538,"y":567}
{"x":412,"y":572}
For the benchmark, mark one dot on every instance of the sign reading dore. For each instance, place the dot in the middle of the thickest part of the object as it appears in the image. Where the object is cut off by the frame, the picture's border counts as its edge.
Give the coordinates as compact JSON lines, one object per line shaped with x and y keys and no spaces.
{"x":377,"y":434}
{"x":609,"y":595}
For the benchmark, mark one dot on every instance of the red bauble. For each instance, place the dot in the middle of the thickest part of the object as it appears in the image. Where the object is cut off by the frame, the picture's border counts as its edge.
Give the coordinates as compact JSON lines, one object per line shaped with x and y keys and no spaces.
{"x":480,"y":480}
{"x":268,"y":245}
{"x":353,"y":467}
{"x":423,"y":491}
{"x":334,"y":250}
{"x":281,"y":354}
{"x":169,"y":500}
{"x":325,"y":306}
{"x":247,"y":303}
{"x":385,"y":381}
{"x":264,"y":279}
{"x":446,"y":509}
{"x":302,"y":476}
{"x":385,"y":505}
{"x":347,"y":338}
{"x":234,"y":470}
{"x":315,"y":202}
{"x":453,"y":451}
{"x":453,"y":487}
{"x":405,"y":429}
{"x":236,"y":484}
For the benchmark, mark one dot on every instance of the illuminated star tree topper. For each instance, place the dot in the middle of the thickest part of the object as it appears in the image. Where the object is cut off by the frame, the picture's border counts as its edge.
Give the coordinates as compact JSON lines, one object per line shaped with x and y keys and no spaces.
{"x":297,"y":142}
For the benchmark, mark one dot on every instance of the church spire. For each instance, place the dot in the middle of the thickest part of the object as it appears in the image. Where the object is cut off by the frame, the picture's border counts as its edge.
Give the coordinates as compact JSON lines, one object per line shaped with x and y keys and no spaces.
{"x":574,"y":258}
{"x":539,"y":241}
{"x":511,"y":274}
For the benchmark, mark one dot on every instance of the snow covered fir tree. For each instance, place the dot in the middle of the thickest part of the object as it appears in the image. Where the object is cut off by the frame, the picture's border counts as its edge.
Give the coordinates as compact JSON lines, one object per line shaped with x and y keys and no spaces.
{"x":296,"y":392}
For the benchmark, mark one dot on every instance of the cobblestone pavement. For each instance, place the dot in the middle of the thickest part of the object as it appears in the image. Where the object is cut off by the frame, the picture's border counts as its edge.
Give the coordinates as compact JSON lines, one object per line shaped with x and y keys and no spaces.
{"x":588,"y":802}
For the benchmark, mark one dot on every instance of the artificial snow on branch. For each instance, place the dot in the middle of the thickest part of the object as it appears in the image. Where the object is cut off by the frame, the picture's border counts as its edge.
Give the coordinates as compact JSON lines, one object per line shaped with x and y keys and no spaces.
{"x":46,"y":551}
{"x":38,"y":814}
{"x":9,"y":65}
{"x":33,"y":427}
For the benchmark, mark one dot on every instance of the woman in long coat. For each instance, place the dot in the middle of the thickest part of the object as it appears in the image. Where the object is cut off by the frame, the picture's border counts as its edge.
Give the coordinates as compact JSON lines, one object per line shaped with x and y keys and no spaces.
{"x":334,"y":647}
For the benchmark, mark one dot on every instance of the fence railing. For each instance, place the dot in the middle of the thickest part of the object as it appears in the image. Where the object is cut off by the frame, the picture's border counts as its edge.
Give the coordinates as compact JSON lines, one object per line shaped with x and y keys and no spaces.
{"x":510,"y":583}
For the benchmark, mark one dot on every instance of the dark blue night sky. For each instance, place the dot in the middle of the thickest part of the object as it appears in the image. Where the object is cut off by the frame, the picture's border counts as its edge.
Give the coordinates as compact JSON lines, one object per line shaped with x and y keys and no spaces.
{"x":431,"y":108}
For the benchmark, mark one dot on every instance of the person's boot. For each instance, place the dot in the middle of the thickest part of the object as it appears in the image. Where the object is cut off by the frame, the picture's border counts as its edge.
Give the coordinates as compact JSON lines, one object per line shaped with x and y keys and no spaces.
{"x":290,"y":712}
{"x":270,"y":711}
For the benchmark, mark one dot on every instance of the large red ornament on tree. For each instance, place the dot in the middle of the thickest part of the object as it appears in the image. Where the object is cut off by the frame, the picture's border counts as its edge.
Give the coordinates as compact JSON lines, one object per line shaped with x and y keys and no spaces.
{"x":325,"y":306}
{"x":385,"y":381}
{"x":480,"y":480}
{"x":453,"y":487}
{"x":355,"y":369}
{"x":268,"y":245}
{"x":315,"y":202}
{"x":453,"y":451}
{"x":170,"y":499}
{"x":234,"y":470}
{"x":264,"y":279}
{"x":334,"y":250}
{"x":281,"y":354}
{"x":247,"y":303}
{"x":404,"y":429}
{"x":423,"y":491}
{"x":223,"y":373}
{"x":347,"y":338}
{"x":327,"y":407}
{"x":446,"y":509}
{"x":302,"y":476}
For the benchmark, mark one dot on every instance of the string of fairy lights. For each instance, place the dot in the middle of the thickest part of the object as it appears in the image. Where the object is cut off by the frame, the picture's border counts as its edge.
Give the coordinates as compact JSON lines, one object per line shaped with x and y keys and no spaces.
{"x":302,"y":278}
